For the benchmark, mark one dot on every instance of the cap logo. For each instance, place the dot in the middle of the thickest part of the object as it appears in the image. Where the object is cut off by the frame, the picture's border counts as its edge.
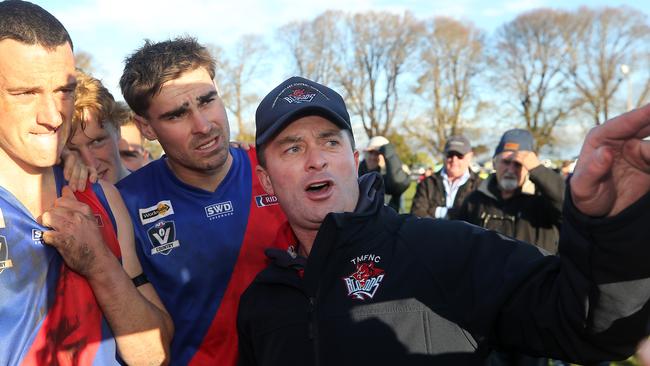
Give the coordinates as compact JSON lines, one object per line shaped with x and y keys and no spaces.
{"x":299,"y":96}
{"x":511,"y":146}
{"x":299,"y":93}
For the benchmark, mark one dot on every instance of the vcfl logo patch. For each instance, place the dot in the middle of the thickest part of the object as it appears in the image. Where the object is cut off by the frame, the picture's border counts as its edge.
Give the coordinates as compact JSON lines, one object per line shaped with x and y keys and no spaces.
{"x":163,"y":237}
{"x":364,"y":282}
{"x":219,"y":210}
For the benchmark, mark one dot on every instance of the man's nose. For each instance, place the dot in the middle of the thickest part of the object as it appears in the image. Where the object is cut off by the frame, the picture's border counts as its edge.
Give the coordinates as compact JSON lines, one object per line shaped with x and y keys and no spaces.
{"x":49,"y":114}
{"x":200,"y":123}
{"x":316,"y":159}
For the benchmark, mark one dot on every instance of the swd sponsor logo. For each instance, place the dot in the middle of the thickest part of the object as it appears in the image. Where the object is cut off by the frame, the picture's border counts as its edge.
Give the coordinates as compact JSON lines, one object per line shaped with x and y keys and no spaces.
{"x":219,"y":210}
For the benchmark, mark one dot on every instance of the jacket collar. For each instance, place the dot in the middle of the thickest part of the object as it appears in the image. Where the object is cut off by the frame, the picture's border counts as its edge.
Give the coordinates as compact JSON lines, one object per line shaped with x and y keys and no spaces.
{"x":337,"y":229}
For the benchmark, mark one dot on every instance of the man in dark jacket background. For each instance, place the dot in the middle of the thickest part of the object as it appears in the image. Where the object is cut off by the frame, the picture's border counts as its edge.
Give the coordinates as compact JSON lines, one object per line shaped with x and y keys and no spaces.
{"x":522,"y":199}
{"x":364,"y":285}
{"x":380,"y":157}
{"x":440,"y":195}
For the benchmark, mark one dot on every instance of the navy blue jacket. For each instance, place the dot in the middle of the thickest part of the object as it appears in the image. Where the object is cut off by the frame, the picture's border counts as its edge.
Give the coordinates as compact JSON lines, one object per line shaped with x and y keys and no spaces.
{"x":385,"y":289}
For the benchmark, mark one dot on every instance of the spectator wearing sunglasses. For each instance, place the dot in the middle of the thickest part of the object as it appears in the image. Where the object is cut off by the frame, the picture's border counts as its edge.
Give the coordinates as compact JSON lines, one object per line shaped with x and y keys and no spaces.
{"x":440,"y":195}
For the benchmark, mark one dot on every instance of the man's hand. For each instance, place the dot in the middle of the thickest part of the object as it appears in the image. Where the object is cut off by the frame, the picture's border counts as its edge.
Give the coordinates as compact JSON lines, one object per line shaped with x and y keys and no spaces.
{"x":527,"y":159}
{"x":75,"y":171}
{"x":613,"y":169}
{"x":74,"y":234}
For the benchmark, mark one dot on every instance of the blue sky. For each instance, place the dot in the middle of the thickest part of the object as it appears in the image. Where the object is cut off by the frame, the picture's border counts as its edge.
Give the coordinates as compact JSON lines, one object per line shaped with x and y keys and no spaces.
{"x":111,"y":29}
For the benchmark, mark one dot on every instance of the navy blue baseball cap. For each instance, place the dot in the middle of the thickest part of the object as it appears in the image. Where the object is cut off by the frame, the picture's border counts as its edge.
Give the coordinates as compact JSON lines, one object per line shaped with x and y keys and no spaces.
{"x":515,"y":140}
{"x":295,"y":98}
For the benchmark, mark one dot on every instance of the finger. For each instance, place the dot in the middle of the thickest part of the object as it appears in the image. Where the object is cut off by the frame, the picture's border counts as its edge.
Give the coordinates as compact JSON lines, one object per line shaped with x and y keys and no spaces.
{"x":65,"y":157}
{"x":639,"y":155}
{"x":92,"y":174}
{"x":52,"y":219}
{"x":67,"y":169}
{"x":590,"y":190}
{"x":635,"y":123}
{"x":73,"y":179}
{"x":62,"y":242}
{"x":67,"y":193}
{"x":53,"y":238}
{"x":68,"y":200}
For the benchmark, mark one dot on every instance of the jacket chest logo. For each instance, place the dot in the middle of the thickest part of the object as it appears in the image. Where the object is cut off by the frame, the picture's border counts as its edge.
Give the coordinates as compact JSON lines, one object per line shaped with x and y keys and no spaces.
{"x":363,"y":283}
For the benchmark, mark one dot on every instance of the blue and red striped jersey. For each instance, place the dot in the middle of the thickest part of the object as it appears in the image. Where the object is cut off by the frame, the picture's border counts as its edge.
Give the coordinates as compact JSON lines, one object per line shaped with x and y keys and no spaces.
{"x":48,"y":313}
{"x":201,"y":249}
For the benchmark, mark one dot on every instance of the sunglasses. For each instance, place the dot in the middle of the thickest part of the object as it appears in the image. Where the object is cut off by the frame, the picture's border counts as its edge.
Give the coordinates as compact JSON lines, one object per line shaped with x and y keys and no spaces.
{"x":451,"y":154}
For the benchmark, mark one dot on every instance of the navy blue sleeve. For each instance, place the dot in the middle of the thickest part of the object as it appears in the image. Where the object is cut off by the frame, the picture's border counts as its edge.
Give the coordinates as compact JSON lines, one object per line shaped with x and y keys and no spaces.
{"x":587,"y":304}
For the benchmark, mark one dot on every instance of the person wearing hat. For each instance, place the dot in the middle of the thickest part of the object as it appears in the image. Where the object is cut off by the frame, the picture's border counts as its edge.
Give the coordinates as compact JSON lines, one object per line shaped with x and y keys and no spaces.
{"x":440,"y":195}
{"x":366,"y":285}
{"x":522,"y":199}
{"x":380,"y":156}
{"x":201,"y":218}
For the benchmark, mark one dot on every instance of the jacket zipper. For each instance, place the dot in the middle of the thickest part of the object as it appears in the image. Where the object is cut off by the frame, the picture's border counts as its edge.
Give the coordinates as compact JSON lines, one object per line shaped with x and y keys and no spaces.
{"x":313,"y":329}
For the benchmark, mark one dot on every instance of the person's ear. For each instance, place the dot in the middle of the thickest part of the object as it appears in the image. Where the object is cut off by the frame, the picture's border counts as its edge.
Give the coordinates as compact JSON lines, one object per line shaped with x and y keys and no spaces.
{"x":356,"y":159}
{"x":265,"y":179}
{"x":145,"y":128}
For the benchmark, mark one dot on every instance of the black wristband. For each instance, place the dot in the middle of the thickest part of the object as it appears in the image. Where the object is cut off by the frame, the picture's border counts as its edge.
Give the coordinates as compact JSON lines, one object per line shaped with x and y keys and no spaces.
{"x":140,"y":280}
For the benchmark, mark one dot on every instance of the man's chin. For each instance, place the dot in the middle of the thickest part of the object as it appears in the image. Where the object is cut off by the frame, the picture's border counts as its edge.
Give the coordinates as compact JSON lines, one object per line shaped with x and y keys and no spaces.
{"x":508,"y":185}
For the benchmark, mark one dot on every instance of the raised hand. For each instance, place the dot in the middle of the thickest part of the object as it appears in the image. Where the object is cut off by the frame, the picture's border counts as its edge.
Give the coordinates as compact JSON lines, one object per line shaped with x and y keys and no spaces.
{"x":75,"y":171}
{"x":75,"y":234}
{"x":527,"y":159}
{"x":613,"y":169}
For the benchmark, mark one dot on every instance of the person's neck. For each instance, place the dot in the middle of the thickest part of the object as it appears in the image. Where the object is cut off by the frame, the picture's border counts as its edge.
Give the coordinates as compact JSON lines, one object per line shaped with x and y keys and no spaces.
{"x":207,"y":180}
{"x":34,"y":187}
{"x":306,"y":240}
{"x":123,"y":172}
{"x":507,"y":194}
{"x":452,"y":178}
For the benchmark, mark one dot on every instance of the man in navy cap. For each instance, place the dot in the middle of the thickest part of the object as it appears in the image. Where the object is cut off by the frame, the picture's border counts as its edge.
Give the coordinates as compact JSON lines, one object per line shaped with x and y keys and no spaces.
{"x":522,"y":199}
{"x":365,"y":285}
{"x":442,"y":194}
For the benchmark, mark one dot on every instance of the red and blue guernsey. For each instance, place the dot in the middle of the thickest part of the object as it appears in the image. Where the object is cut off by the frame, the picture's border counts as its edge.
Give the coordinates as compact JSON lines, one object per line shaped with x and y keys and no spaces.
{"x":201,"y":250}
{"x":48,"y":313}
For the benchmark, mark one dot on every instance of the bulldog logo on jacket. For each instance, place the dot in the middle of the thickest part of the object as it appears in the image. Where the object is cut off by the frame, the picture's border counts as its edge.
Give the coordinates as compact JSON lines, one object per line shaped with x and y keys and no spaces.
{"x":364,"y":282}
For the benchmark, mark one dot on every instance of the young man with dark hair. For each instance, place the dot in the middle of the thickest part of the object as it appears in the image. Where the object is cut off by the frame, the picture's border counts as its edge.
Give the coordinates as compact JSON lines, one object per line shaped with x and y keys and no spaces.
{"x":365,"y":285}
{"x":201,"y":217}
{"x":65,"y":298}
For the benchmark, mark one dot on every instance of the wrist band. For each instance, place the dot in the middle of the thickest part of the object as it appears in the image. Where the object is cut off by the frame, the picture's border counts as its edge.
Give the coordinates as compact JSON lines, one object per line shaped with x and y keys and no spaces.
{"x":140,"y":280}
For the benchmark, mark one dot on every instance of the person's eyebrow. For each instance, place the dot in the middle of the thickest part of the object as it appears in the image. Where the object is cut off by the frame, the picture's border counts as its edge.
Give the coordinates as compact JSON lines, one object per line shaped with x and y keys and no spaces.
{"x":69,"y":86}
{"x":289,"y":140}
{"x":175,"y":112}
{"x":207,"y":97}
{"x":129,"y":153}
{"x":330,"y":133}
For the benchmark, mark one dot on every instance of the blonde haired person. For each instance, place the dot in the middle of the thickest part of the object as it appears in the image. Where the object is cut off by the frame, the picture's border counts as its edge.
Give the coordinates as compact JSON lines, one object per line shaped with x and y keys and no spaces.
{"x":95,"y":131}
